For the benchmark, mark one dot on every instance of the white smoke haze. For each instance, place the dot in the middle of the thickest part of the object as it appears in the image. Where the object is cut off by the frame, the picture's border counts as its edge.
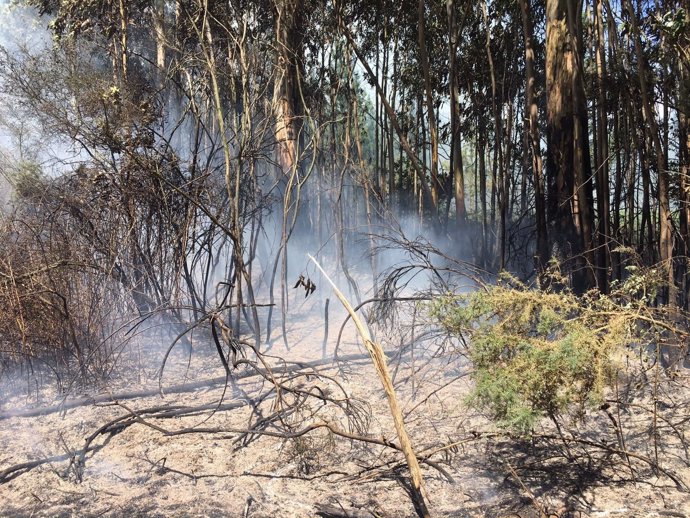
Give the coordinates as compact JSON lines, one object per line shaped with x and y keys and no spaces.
{"x":21,"y":27}
{"x":203,"y":389}
{"x":371,"y":248}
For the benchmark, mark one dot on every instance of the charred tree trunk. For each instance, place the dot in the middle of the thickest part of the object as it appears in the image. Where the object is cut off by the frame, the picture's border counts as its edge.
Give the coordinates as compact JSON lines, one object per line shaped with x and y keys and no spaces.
{"x":532,"y":109}
{"x":650,"y":123}
{"x":568,"y":163}
{"x":433,"y":127}
{"x":602,"y":159}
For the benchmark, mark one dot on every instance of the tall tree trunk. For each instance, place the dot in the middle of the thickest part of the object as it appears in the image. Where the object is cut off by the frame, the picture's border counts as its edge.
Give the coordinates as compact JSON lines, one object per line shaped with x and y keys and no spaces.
{"x":286,"y":95}
{"x":532,"y":109}
{"x":287,"y":112}
{"x":584,"y":191}
{"x":684,"y":154}
{"x":367,"y":183}
{"x":650,"y":123}
{"x":602,"y":159}
{"x":384,"y":124}
{"x":391,"y":133}
{"x":433,"y":127}
{"x":617,"y":230}
{"x":684,"y":178}
{"x":498,"y":196}
{"x":568,"y":149}
{"x":559,"y":128}
{"x":124,"y":23}
{"x":481,"y":151}
{"x":159,"y":29}
{"x":456,"y":139}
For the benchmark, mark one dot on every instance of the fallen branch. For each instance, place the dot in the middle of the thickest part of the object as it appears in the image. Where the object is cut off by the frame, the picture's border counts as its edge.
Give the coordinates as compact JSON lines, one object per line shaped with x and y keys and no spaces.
{"x":624,"y":454}
{"x":137,"y":417}
{"x":175,"y":389}
{"x":144,"y":417}
{"x":112,"y":428}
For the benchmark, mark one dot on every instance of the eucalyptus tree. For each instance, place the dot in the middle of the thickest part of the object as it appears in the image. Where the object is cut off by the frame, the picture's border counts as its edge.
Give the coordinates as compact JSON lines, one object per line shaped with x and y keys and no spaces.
{"x":568,"y":158}
{"x":273,"y":95}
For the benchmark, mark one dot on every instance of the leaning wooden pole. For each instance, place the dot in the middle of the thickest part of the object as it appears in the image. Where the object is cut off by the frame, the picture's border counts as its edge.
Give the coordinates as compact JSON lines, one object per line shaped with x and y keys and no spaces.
{"x":378,"y":357}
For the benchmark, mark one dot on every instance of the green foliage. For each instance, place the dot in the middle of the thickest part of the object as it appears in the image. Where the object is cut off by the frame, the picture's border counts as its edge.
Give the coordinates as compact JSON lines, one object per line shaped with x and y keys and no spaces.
{"x":542,"y":353}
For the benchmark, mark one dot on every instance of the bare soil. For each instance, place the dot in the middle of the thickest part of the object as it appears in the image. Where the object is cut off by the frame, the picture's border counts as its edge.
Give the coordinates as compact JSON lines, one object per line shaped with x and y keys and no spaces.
{"x":142,"y":471}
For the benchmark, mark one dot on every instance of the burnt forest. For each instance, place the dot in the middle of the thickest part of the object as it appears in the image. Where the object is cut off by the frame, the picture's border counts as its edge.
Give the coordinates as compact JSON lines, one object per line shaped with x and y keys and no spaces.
{"x":345,"y":259}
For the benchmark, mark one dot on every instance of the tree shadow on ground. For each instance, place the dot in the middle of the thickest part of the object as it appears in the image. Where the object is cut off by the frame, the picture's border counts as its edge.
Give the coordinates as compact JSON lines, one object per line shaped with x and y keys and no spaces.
{"x":544,"y":477}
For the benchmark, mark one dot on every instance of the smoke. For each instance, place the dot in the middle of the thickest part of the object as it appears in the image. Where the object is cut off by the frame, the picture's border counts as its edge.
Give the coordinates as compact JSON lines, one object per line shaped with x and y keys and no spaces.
{"x":372,"y":248}
{"x":21,"y":27}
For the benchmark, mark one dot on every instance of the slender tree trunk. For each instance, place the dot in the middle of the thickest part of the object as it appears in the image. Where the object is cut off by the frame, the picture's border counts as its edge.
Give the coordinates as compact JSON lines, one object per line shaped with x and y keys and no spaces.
{"x":433,"y":127}
{"x":650,"y":123}
{"x":642,"y":151}
{"x":384,"y":126}
{"x":498,"y":196}
{"x":684,"y":182}
{"x":617,"y":230}
{"x":378,"y":116}
{"x":617,"y":194}
{"x":456,"y":139}
{"x":532,"y":109}
{"x":365,"y":170}
{"x":159,"y":29}
{"x":124,"y":33}
{"x":631,"y":199}
{"x":602,"y":159}
{"x":390,"y":134}
{"x":683,"y":105}
{"x":481,"y":150}
{"x":526,"y":170}
{"x":584,"y":191}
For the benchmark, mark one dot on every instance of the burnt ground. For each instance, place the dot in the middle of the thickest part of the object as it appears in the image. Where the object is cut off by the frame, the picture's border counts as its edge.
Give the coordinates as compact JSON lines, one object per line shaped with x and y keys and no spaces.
{"x":149,"y":468}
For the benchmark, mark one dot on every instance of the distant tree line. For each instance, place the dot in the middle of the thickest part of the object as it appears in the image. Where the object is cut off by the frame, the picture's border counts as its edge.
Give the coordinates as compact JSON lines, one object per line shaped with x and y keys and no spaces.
{"x":520,"y":130}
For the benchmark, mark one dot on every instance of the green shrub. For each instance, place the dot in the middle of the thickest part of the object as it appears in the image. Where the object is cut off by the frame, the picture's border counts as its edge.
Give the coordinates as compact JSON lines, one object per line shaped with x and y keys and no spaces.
{"x":541,"y":354}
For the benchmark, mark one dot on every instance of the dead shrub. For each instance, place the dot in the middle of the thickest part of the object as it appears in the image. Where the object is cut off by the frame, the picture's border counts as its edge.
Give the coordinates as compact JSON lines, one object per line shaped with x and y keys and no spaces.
{"x":56,"y":308}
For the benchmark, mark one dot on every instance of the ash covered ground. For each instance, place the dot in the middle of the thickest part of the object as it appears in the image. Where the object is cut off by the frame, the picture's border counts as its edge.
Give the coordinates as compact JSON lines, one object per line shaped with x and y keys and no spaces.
{"x":231,"y":457}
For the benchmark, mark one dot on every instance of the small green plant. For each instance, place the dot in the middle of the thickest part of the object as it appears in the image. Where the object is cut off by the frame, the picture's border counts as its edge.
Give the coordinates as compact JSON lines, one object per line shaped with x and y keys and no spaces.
{"x":543,"y":353}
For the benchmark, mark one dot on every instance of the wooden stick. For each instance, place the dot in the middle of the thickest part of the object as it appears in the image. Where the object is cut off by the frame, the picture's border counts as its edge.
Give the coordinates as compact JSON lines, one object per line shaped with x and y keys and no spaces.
{"x":378,"y":357}
{"x":325,"y":330}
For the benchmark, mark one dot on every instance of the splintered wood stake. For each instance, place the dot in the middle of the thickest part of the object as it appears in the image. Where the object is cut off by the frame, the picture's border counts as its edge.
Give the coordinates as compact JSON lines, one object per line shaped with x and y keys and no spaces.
{"x":379,"y":359}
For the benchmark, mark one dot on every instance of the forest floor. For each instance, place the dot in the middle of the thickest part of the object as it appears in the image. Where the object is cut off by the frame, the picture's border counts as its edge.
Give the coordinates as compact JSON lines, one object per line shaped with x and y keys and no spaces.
{"x":142,"y":471}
